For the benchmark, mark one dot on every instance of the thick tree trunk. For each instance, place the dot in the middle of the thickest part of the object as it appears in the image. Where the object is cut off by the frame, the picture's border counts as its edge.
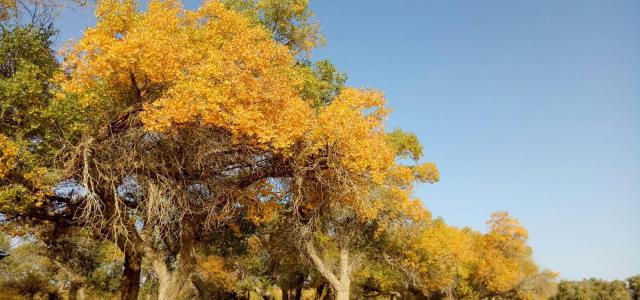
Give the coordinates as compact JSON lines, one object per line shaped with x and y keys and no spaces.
{"x":165,"y":290}
{"x":342,"y":294}
{"x":81,"y":295}
{"x":131,"y":276}
{"x":203,"y":290}
{"x":171,"y":283}
{"x":341,"y":285}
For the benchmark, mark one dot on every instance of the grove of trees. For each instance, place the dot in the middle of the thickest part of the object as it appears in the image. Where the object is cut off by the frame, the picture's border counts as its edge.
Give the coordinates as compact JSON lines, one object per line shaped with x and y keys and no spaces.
{"x":204,"y":154}
{"x":599,"y":289}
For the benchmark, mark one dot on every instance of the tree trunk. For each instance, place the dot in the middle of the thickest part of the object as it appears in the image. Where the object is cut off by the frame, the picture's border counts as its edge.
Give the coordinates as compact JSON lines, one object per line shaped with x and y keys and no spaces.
{"x":127,"y":243}
{"x":285,"y":293}
{"x":81,"y":294}
{"x":73,"y":289}
{"x":342,"y":294}
{"x":299,"y":292}
{"x":170,"y":283}
{"x":131,"y":275}
{"x":167,"y":288}
{"x":341,"y":285}
{"x":299,"y":285}
{"x":203,"y":290}
{"x":319,"y":292}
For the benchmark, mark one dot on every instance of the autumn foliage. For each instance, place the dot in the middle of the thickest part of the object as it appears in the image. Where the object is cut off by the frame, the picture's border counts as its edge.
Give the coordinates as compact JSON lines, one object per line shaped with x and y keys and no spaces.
{"x":207,"y":153}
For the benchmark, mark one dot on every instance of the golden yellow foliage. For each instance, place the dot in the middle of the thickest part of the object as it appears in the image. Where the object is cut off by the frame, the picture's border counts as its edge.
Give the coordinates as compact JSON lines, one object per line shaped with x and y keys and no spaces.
{"x":7,"y":9}
{"x":213,"y":66}
{"x":504,"y":262}
{"x":427,"y":172}
{"x":352,"y":125}
{"x":8,"y":155}
{"x":216,"y":273}
{"x":438,"y":254}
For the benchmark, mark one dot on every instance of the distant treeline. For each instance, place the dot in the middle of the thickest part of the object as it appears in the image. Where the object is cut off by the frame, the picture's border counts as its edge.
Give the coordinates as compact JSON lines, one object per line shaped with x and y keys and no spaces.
{"x":599,"y":289}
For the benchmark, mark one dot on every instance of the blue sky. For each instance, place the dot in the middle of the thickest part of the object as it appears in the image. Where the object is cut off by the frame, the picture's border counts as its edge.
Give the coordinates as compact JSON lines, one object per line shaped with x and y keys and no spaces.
{"x":532,"y":107}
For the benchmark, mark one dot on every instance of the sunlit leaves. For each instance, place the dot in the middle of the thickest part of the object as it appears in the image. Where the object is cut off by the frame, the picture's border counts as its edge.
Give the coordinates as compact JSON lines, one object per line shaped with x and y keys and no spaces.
{"x":353,"y":125}
{"x":8,"y":155}
{"x":212,"y":67}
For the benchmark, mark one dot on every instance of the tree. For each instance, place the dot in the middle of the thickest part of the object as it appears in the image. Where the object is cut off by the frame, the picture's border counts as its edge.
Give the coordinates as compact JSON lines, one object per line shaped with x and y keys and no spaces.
{"x":633,"y":284}
{"x":26,"y":272}
{"x":505,"y":267}
{"x":138,"y":73}
{"x":592,"y":289}
{"x":290,"y":21}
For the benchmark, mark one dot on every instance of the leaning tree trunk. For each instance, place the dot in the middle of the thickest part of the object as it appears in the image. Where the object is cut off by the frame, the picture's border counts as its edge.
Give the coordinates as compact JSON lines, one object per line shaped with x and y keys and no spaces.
{"x":341,"y":284}
{"x":204,"y":292}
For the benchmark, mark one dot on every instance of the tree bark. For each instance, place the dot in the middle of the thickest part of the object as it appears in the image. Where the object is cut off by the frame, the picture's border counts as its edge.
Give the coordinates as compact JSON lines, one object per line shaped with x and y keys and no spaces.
{"x":128,"y":244}
{"x":319,"y":292}
{"x":299,"y":285}
{"x":131,"y":275}
{"x":341,"y":285}
{"x":299,"y":292}
{"x":170,"y":283}
{"x":203,"y":290}
{"x":73,"y":289}
{"x":345,"y":274}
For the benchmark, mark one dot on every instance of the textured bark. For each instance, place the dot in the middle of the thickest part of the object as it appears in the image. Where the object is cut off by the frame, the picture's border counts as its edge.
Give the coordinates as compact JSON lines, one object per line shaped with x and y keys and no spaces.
{"x":131,"y":276}
{"x":73,"y":289}
{"x":341,"y":285}
{"x":320,"y":292}
{"x":203,"y":289}
{"x":130,"y":283}
{"x":171,"y":283}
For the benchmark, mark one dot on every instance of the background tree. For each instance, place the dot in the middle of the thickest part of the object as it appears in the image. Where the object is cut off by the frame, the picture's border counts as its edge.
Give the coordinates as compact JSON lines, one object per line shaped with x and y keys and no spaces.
{"x":26,"y":272}
{"x":633,"y":284}
{"x":290,"y":21}
{"x":592,"y":289}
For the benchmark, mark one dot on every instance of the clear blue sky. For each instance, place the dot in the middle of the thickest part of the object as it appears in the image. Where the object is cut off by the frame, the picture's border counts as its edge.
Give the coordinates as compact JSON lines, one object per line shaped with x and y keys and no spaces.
{"x":527,"y":106}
